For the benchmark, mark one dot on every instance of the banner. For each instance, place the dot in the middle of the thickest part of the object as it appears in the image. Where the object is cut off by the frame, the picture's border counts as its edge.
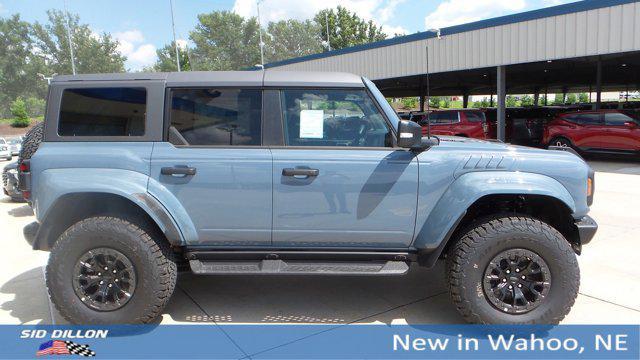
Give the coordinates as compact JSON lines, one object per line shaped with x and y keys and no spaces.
{"x":322,"y":341}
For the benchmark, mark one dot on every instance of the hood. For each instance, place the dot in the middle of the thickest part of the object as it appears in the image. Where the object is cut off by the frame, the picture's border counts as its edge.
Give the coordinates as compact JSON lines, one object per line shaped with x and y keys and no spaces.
{"x":476,"y":145}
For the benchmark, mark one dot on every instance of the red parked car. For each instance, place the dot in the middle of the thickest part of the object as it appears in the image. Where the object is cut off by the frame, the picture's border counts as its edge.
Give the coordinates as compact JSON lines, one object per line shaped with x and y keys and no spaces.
{"x":595,"y":131}
{"x":463,"y":122}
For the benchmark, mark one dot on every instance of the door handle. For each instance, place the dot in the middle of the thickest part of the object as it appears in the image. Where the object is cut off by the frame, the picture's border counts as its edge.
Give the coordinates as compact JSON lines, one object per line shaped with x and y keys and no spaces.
{"x":300,"y":172}
{"x":178,"y":170}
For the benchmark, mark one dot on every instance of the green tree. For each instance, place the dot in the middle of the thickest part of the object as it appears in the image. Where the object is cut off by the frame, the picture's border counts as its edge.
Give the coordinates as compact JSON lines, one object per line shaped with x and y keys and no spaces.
{"x":526,"y":100}
{"x":93,"y":53}
{"x":167,"y":59}
{"x":511,"y":101}
{"x":19,"y":111}
{"x":434,"y":102}
{"x":583,"y":98}
{"x":572,"y":99}
{"x":291,"y":38}
{"x":446,"y":102}
{"x":484,"y":103}
{"x":19,"y":63}
{"x":558,"y":99}
{"x":346,"y":28}
{"x":409,"y":103}
{"x":225,"y":41}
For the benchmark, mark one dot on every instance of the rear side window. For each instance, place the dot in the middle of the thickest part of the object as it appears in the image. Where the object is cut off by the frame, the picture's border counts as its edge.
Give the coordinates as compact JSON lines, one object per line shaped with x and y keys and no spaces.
{"x":585,"y":119}
{"x":215,"y":117}
{"x":444,"y":117}
{"x":116,"y":111}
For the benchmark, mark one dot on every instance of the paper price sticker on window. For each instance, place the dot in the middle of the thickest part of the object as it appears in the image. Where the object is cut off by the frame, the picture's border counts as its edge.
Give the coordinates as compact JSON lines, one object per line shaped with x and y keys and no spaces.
{"x":311,"y":124}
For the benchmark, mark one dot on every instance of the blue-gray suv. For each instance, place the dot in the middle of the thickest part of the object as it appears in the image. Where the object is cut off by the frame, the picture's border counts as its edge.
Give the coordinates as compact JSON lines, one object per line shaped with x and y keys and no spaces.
{"x":135,"y":176}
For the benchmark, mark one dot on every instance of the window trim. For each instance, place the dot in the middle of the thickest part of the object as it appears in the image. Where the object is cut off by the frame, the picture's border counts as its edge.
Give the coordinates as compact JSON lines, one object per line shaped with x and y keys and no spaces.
{"x":394,"y":145}
{"x":153,"y":131}
{"x":144,"y":121}
{"x":167,"y":117}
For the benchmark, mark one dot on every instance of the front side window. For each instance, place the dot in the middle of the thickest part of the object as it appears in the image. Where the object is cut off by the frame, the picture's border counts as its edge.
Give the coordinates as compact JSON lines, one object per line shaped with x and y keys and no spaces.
{"x":443,"y":117}
{"x":333,"y":118}
{"x":616,"y":119}
{"x":475,"y":116}
{"x":216,"y":117}
{"x":116,"y":111}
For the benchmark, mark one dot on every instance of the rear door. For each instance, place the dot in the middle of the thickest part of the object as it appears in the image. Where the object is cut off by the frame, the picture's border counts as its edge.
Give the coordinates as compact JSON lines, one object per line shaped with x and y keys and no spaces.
{"x":338,"y":181}
{"x":215,"y":165}
{"x":588,"y":131}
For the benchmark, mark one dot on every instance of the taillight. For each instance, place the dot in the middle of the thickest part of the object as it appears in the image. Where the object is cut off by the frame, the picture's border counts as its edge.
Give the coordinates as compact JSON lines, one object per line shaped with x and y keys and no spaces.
{"x":26,"y":195}
{"x":24,"y":166}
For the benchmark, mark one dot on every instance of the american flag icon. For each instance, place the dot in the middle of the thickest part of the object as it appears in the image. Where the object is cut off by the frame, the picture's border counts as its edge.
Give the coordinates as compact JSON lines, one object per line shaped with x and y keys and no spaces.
{"x":60,"y":347}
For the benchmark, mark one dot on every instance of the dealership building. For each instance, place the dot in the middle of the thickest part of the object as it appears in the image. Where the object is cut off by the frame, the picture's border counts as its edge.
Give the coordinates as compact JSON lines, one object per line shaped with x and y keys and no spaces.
{"x":587,"y":46}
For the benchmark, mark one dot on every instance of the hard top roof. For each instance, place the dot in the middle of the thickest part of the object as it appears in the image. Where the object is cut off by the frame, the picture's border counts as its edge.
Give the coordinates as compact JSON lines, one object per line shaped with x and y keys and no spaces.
{"x":267,"y":78}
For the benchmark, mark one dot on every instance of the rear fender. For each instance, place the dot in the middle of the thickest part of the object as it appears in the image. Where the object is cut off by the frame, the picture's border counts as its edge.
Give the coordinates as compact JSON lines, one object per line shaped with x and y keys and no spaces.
{"x":55,"y":184}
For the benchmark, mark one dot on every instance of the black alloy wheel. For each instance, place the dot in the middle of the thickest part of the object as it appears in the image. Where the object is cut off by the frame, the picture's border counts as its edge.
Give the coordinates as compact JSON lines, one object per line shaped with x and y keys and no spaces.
{"x":516,"y":281}
{"x":104,"y":279}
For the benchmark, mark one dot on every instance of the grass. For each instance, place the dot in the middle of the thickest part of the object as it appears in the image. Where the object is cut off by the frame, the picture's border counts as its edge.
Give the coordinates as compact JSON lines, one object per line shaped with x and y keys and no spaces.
{"x":9,"y":120}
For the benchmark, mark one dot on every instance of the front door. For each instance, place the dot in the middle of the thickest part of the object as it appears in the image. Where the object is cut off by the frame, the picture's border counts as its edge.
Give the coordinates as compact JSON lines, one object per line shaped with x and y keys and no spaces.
{"x":215,"y":166}
{"x":338,"y":182}
{"x":621,"y":132}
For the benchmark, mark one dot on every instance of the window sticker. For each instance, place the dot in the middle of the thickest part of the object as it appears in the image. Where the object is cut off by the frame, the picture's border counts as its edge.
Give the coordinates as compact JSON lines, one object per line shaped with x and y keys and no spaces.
{"x":311,"y":124}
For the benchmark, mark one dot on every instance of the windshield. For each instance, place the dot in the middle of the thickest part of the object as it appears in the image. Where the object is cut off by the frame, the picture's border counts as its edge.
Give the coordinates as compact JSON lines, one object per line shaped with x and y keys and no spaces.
{"x":14,"y":141}
{"x":382,"y":101}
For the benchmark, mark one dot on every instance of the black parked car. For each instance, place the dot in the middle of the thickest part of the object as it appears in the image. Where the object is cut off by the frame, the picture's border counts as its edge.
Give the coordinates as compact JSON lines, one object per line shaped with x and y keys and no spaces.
{"x":10,"y":182}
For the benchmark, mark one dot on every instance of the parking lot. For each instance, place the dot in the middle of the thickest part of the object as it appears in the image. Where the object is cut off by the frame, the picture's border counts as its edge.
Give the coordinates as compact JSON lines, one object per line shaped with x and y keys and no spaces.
{"x":609,"y":291}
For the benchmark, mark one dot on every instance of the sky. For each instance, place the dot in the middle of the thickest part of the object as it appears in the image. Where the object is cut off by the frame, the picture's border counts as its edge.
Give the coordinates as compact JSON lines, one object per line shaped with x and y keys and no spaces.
{"x":142,"y":26}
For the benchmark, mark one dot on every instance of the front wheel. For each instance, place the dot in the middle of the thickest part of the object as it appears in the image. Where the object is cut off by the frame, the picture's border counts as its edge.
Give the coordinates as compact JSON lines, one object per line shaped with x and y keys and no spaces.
{"x":561,"y":142}
{"x":107,"y":270}
{"x":513,"y":270}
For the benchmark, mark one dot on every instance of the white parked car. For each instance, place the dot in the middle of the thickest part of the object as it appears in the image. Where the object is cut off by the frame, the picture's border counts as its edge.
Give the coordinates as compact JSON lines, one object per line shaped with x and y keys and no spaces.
{"x":15,"y":144}
{"x":5,"y":150}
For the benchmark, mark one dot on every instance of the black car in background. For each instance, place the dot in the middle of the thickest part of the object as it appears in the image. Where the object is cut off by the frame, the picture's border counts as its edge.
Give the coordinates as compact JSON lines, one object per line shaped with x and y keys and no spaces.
{"x":10,"y":182}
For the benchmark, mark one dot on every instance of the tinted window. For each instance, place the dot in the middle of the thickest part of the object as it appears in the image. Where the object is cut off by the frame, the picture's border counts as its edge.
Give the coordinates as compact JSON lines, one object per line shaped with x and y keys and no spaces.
{"x":616,"y":119}
{"x":585,"y":119}
{"x":333,"y":118}
{"x":444,"y":117}
{"x":215,"y":117}
{"x":475,"y":116}
{"x":103,"y":112}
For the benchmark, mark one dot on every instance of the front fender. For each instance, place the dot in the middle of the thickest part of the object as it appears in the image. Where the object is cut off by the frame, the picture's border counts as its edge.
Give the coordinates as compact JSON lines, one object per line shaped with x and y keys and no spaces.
{"x":54,"y":184}
{"x":470,"y":187}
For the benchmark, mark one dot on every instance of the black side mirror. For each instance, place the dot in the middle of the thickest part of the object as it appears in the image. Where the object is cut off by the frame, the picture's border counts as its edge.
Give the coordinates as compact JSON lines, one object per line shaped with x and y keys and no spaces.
{"x":409,"y":135}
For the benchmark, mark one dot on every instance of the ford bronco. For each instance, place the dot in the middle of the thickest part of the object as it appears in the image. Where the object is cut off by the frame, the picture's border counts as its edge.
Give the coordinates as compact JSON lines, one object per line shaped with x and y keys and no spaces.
{"x":134,"y":176}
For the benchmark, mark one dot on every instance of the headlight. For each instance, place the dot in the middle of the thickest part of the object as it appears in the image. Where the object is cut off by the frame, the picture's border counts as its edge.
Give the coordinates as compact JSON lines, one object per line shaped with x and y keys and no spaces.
{"x":3,"y":148}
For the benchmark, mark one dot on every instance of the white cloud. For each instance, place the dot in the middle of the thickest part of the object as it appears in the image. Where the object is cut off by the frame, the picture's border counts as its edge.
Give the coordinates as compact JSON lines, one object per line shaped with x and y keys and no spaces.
{"x":380,"y":11}
{"x":455,"y":12}
{"x":138,"y":53}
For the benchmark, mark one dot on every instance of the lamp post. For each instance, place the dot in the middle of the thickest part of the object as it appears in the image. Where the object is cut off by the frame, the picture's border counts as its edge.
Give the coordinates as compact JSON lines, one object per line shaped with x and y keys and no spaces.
{"x":47,"y":78}
{"x":260,"y":34}
{"x":73,"y":62}
{"x":326,"y":20}
{"x":175,"y":42}
{"x":437,"y":32}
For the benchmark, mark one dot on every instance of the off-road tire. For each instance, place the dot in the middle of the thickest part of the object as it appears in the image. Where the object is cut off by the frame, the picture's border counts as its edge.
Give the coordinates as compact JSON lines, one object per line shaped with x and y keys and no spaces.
{"x":152,"y":260}
{"x":31,"y":142}
{"x":469,"y":257}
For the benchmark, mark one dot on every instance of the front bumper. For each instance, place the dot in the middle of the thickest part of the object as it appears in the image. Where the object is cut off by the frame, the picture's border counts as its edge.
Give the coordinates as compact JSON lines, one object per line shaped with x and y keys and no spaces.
{"x":587,"y":228}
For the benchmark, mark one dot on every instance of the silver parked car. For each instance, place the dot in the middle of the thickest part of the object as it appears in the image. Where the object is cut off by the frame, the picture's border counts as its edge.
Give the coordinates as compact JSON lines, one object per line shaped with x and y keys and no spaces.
{"x":5,"y":151}
{"x":15,"y":144}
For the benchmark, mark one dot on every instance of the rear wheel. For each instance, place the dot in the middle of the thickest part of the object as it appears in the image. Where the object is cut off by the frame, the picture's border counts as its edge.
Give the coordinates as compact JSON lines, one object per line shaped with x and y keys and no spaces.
{"x":108,"y":270}
{"x":561,"y":142}
{"x":513,"y":270}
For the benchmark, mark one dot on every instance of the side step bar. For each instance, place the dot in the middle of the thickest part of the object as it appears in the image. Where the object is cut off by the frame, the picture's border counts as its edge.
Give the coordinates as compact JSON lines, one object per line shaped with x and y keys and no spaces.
{"x":297,"y":267}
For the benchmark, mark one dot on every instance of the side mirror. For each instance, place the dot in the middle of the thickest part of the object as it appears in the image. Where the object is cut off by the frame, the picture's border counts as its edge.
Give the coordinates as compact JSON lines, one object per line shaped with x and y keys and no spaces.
{"x":409,"y":135}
